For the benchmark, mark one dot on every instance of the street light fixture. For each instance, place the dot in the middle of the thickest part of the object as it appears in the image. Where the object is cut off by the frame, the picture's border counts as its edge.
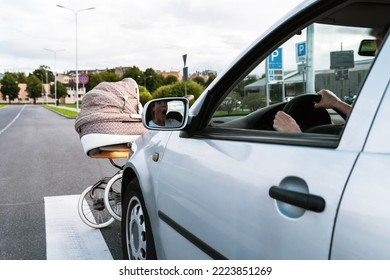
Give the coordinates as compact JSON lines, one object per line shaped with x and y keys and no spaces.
{"x":77,"y":70}
{"x":55,"y":71}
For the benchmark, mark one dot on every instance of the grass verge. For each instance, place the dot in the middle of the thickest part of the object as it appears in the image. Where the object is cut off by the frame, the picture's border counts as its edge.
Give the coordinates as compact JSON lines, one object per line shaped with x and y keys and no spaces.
{"x":62,"y":111}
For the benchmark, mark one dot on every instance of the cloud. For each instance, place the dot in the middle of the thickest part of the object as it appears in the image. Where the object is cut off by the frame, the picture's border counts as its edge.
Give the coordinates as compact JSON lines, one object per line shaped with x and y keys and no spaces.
{"x":148,"y":33}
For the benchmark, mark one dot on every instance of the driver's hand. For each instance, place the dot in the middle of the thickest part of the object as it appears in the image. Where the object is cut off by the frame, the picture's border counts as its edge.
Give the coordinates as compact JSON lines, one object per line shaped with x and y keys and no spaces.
{"x":328,"y":99}
{"x":284,"y":122}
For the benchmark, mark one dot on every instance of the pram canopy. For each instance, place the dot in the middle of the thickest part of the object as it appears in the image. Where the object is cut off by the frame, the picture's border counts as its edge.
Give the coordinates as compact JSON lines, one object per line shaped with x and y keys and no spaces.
{"x":111,"y":114}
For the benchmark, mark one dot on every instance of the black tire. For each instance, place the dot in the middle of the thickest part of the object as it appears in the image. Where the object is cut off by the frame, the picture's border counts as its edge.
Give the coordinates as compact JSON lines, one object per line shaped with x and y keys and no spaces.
{"x":137,"y":237}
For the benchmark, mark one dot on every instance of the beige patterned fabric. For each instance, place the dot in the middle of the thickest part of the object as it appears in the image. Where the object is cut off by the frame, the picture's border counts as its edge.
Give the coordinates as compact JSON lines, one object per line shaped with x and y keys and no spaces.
{"x":111,"y":108}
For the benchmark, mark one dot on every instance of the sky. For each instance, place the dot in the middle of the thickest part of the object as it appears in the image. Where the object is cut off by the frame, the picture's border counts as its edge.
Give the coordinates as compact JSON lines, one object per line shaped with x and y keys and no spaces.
{"x":147,"y":34}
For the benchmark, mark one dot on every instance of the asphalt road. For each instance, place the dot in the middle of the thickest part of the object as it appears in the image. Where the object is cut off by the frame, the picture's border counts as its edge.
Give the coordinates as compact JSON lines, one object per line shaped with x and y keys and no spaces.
{"x":41,"y":156}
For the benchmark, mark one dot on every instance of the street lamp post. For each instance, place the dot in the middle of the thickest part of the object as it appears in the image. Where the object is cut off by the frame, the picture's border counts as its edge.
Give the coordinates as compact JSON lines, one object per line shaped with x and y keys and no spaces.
{"x":77,"y":70}
{"x":146,"y":79}
{"x":49,"y":87}
{"x":55,"y":71}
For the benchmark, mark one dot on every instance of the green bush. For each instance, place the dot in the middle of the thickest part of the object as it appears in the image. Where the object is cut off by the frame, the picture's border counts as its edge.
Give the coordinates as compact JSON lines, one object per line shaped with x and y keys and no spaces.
{"x":144,"y":95}
{"x":177,"y":90}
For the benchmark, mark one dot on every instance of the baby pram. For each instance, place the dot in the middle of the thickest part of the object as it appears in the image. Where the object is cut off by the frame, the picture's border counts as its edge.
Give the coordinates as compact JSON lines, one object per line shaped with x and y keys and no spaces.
{"x":108,"y":123}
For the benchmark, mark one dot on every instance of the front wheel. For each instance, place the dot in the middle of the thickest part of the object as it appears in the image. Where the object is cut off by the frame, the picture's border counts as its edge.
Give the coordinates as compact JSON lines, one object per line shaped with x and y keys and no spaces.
{"x":137,"y":237}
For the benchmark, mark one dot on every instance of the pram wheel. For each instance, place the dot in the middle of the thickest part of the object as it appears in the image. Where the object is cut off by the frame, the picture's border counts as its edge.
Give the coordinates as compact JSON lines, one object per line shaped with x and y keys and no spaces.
{"x":92,"y":209}
{"x":112,"y":196}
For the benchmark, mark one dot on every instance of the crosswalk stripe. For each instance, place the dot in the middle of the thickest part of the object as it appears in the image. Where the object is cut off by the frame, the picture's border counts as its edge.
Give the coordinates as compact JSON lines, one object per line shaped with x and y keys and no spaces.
{"x":67,"y":237}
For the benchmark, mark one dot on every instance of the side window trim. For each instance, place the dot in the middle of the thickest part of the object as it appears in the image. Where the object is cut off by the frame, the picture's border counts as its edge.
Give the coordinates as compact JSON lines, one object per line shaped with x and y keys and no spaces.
{"x":270,"y":137}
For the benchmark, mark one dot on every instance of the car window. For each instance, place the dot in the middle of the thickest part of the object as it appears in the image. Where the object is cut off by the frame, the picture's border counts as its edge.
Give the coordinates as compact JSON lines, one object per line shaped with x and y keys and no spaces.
{"x":293,"y":70}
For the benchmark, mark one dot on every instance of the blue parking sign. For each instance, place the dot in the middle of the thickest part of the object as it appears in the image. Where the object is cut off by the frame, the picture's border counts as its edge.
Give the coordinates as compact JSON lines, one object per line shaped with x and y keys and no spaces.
{"x":275,"y":59}
{"x":300,"y":51}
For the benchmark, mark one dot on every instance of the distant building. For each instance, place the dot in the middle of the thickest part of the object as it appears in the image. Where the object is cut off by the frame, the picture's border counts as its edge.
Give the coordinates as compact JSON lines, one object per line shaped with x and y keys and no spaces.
{"x":206,"y":74}
{"x":120,"y":70}
{"x":170,"y":73}
{"x":344,"y":85}
{"x":24,"y":99}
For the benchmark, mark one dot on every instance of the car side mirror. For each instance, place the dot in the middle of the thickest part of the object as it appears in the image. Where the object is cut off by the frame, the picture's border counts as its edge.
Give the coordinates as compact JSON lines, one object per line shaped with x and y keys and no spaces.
{"x":169,"y":113}
{"x":367,"y":48}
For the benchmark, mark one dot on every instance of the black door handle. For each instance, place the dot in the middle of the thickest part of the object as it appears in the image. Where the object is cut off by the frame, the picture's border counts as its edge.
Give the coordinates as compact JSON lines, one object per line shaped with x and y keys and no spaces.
{"x":306,"y":201}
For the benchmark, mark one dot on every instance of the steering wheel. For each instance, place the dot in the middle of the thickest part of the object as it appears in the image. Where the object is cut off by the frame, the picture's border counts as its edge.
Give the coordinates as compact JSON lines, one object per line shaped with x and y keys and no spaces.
{"x":301,"y":108}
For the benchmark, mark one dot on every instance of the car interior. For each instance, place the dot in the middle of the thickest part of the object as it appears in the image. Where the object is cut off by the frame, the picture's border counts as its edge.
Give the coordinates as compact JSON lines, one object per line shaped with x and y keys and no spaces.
{"x":353,"y":26}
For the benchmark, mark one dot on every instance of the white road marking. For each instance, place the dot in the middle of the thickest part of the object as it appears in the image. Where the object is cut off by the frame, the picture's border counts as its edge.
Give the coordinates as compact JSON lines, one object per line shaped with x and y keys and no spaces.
{"x":17,"y":116}
{"x":67,"y":236}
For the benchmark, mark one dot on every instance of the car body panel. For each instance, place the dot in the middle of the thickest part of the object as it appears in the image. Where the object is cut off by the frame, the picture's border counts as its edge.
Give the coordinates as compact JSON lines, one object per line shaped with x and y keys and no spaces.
{"x":370,"y":96}
{"x":206,"y":189}
{"x":363,"y":223}
{"x":228,"y":170}
{"x":365,"y":205}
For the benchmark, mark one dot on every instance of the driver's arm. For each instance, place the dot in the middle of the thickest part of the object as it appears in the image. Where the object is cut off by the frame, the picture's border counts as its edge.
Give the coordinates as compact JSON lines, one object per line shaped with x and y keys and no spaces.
{"x":330,"y":100}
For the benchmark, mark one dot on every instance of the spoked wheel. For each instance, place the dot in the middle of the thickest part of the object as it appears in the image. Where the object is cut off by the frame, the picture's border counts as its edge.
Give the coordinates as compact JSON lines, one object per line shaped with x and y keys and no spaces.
{"x":137,"y":237}
{"x":92,"y":209}
{"x":112,"y":196}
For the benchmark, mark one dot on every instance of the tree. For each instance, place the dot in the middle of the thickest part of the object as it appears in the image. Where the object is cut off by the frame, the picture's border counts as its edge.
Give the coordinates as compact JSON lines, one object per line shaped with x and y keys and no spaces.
{"x":135,"y":73}
{"x":254,"y":101}
{"x":34,"y":87}
{"x":21,"y":77}
{"x":61,"y":90}
{"x":200,"y":80}
{"x":170,"y":79}
{"x":95,"y":79}
{"x":149,"y":78}
{"x":231,"y":103}
{"x":41,"y":73}
{"x":9,"y":87}
{"x":177,"y":90}
{"x":241,"y":86}
{"x":193,"y":88}
{"x":144,"y":95}
{"x":210,"y":80}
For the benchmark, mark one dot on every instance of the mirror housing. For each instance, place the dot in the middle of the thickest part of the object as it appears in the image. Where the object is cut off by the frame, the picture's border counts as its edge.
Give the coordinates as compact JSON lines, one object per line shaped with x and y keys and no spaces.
{"x":367,"y":47}
{"x":172,"y":110}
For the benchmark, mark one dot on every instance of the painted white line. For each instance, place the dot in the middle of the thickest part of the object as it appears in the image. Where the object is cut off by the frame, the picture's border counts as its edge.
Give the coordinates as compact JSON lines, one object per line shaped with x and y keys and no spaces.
{"x":67,"y":236}
{"x":17,"y":116}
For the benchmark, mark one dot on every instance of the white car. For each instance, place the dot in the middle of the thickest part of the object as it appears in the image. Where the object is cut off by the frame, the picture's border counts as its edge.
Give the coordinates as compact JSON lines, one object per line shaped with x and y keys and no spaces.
{"x":225,"y":185}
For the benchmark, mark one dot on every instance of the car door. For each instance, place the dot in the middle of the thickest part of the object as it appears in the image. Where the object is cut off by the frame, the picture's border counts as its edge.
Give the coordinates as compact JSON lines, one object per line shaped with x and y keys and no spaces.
{"x":221,"y":197}
{"x":217,"y":187}
{"x":362,"y":230}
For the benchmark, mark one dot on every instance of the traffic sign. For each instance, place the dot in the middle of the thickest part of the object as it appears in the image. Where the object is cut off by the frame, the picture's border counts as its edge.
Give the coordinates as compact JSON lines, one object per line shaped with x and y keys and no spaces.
{"x":83,"y":78}
{"x":275,"y":66}
{"x":300,"y":51}
{"x":341,"y":60}
{"x":275,"y":59}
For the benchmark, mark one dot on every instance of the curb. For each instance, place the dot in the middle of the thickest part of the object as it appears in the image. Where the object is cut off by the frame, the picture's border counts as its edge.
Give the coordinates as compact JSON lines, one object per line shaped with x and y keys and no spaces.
{"x":58,"y":113}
